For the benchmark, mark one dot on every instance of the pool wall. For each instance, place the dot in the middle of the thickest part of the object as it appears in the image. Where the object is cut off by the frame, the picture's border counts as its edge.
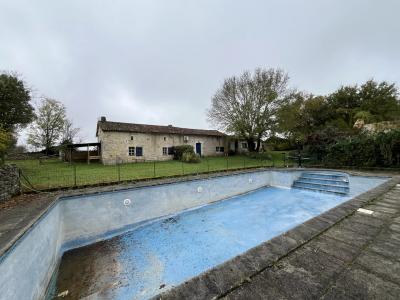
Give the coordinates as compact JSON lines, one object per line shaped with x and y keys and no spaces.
{"x":26,"y":268}
{"x":87,"y":218}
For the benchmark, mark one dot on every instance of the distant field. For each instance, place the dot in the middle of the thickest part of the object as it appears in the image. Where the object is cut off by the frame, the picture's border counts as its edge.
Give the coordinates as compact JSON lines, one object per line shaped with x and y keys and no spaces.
{"x":57,"y":174}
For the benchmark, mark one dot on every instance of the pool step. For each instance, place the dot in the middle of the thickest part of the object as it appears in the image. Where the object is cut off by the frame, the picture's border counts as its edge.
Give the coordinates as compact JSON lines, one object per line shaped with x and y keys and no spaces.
{"x":325,"y":175}
{"x":323,"y":182}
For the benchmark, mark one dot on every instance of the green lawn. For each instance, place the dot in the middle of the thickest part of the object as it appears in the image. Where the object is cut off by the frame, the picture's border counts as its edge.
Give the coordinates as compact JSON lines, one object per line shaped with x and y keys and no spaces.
{"x":56,"y":174}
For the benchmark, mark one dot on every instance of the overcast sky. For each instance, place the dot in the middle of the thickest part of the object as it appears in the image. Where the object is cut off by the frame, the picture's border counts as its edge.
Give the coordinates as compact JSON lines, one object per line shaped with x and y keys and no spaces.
{"x":160,"y":62}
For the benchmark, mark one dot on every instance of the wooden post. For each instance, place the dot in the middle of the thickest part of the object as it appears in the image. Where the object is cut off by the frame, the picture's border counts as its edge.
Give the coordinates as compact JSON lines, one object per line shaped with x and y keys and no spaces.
{"x":74,"y":175}
{"x":119,"y":173}
{"x":88,"y":158}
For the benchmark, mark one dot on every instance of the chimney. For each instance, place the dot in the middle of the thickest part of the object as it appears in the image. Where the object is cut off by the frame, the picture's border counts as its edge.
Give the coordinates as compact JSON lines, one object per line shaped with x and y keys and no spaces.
{"x":103,"y":119}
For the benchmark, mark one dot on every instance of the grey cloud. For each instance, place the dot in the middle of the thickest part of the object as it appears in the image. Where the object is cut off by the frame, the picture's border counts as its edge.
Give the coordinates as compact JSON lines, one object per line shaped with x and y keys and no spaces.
{"x":161,"y":61}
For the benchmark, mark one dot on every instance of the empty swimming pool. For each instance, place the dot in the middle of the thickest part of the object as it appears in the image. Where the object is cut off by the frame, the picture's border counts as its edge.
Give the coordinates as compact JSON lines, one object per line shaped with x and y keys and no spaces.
{"x":137,"y":243}
{"x":164,"y":253}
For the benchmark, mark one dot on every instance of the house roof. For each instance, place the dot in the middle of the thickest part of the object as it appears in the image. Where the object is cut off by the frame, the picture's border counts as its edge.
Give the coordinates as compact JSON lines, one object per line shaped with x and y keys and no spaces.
{"x":143,"y":128}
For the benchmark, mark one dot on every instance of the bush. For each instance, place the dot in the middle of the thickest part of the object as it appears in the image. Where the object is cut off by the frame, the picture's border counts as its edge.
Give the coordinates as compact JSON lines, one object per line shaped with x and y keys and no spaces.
{"x":190,"y":157}
{"x":279,"y":144}
{"x":260,"y":155}
{"x":317,"y":144}
{"x":379,"y":150}
{"x":185,"y":153}
{"x":5,"y":141}
{"x":179,"y":150}
{"x":359,"y":152}
{"x":389,"y":147}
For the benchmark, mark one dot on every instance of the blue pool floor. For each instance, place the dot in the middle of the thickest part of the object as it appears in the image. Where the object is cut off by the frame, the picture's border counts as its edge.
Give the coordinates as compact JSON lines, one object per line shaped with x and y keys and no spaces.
{"x":155,"y":257}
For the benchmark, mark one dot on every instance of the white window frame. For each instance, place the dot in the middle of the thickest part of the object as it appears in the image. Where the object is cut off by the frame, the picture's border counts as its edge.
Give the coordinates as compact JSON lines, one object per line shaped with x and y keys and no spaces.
{"x":131,"y":151}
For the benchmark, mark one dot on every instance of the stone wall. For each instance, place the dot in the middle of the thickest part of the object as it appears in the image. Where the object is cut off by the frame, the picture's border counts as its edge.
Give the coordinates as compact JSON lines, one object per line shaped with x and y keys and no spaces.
{"x":377,"y":127}
{"x":381,"y":126}
{"x":115,"y":145}
{"x":9,"y":182}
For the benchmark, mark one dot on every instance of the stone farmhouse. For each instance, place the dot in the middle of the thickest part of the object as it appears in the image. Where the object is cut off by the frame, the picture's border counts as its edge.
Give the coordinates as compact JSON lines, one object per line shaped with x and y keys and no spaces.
{"x":129,"y":142}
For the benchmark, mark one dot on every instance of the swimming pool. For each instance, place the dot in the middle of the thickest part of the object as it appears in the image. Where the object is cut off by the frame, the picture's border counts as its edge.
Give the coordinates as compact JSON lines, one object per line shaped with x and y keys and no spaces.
{"x":163,"y":236}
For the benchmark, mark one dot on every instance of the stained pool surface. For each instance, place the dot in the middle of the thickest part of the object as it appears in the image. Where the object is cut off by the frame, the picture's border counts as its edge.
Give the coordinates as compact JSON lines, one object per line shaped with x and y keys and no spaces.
{"x":162,"y":254}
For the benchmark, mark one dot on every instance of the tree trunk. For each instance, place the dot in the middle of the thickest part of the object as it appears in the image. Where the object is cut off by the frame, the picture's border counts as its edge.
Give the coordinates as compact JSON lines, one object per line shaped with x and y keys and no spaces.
{"x":258,"y":144}
{"x":250,"y":144}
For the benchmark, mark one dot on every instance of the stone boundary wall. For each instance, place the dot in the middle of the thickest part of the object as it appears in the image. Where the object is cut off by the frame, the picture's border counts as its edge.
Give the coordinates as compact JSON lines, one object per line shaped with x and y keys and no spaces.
{"x":381,"y":126}
{"x":9,"y":182}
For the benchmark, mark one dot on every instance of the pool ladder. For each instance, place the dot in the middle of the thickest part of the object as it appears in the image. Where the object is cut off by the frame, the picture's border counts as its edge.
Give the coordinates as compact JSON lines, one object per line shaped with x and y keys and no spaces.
{"x":323,"y":182}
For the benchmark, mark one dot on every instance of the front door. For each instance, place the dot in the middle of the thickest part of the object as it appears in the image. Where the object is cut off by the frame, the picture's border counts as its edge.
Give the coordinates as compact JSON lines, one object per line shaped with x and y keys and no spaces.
{"x":198,"y":148}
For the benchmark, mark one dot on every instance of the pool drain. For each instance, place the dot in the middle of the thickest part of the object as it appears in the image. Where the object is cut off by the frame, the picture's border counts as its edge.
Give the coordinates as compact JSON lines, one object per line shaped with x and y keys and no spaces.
{"x":199,"y":189}
{"x":127,"y":202}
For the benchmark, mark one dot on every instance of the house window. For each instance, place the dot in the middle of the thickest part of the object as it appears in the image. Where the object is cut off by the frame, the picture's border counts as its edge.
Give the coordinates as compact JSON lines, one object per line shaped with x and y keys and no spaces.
{"x":219,"y":149}
{"x":167,"y":150}
{"x":139,"y":151}
{"x":131,"y":137}
{"x":244,"y":145}
{"x":165,"y":138}
{"x":131,"y":151}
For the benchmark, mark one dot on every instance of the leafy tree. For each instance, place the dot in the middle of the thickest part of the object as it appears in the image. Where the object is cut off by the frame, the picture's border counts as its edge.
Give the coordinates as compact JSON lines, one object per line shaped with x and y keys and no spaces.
{"x":380,"y":100}
{"x":366,"y":116}
{"x":47,"y":128}
{"x":247,"y":105}
{"x":344,"y":104}
{"x":15,"y":107}
{"x":372,"y":102}
{"x":5,"y":140}
{"x":302,"y":116}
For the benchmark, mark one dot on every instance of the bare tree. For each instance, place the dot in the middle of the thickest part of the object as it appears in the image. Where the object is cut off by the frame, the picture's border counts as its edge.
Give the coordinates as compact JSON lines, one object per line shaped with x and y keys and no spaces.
{"x":68,"y":133}
{"x":47,"y":127}
{"x":247,"y":105}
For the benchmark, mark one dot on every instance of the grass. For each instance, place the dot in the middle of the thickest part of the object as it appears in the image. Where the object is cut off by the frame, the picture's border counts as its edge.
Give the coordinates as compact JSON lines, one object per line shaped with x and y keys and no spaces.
{"x":54,"y":173}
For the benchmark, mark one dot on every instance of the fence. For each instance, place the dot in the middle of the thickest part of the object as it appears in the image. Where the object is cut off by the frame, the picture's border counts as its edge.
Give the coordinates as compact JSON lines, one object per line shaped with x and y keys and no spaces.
{"x":55,"y":174}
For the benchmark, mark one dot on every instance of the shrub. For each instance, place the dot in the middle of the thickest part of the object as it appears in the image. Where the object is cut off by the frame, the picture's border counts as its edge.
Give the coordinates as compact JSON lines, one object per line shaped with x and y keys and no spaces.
{"x":359,"y":152}
{"x":380,"y":150}
{"x":389,"y":147}
{"x":318,"y":143}
{"x":279,"y":144}
{"x":260,"y":155}
{"x":179,"y":150}
{"x":5,"y":141}
{"x":190,"y":157}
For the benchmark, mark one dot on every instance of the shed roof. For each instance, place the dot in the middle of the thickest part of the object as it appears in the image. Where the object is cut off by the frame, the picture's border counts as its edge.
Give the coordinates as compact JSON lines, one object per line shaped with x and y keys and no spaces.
{"x":144,"y":128}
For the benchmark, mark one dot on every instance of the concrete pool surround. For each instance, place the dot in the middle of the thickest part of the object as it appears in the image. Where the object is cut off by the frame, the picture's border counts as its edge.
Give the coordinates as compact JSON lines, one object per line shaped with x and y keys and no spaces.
{"x":76,"y":221}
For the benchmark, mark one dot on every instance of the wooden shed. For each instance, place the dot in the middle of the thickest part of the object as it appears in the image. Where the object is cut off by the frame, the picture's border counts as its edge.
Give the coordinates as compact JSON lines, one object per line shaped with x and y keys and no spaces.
{"x":82,"y":152}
